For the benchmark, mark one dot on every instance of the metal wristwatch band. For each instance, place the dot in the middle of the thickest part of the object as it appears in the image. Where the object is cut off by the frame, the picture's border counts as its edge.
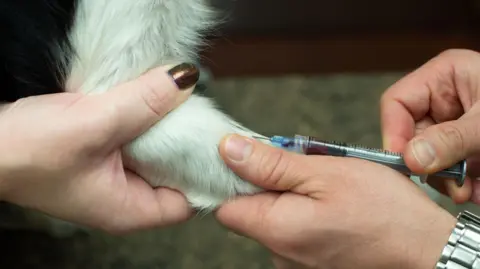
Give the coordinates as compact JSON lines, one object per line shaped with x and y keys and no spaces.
{"x":462,"y":250}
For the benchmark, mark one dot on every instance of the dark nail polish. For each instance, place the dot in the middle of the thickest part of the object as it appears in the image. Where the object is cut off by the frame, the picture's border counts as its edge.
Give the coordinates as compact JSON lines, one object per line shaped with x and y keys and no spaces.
{"x":185,"y":75}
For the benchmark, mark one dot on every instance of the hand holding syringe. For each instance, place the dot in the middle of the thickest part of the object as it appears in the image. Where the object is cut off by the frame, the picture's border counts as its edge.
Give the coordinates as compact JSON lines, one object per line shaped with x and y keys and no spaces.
{"x":311,"y":146}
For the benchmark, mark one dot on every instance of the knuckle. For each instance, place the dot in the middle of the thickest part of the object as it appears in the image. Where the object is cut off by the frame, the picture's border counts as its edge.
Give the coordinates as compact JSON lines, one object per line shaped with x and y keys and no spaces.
{"x":454,"y":53}
{"x":456,"y":57}
{"x":273,"y":167}
{"x":156,"y":99}
{"x":452,"y":137}
{"x":457,"y":75}
{"x":450,"y":53}
{"x":384,"y":98}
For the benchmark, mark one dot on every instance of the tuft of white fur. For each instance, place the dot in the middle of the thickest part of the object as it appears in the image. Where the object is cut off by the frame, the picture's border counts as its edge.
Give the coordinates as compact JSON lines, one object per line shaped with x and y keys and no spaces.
{"x":115,"y":41}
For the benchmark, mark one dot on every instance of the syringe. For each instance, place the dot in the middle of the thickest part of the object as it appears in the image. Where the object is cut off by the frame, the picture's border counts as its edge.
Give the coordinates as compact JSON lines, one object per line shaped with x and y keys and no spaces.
{"x":312,"y":146}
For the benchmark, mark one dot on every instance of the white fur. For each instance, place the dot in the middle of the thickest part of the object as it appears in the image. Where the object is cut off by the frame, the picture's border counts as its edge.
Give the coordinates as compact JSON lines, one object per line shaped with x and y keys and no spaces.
{"x":115,"y":41}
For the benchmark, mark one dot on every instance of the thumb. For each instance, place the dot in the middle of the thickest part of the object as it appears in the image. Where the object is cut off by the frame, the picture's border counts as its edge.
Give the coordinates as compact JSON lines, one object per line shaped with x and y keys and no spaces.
{"x":138,"y":104}
{"x":442,"y":145}
{"x":267,"y":167}
{"x":272,"y":169}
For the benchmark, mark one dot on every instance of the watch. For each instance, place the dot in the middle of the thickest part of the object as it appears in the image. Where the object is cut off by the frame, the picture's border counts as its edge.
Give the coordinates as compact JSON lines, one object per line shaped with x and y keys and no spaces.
{"x":463,"y":248}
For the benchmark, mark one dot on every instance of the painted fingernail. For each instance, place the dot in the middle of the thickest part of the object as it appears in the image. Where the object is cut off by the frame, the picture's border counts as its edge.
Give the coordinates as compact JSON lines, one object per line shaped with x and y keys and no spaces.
{"x":423,"y":152}
{"x":185,"y":75}
{"x":237,"y":148}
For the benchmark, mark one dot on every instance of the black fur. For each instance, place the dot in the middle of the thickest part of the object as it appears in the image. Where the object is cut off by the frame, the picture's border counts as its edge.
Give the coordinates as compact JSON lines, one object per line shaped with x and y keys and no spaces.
{"x":29,"y":30}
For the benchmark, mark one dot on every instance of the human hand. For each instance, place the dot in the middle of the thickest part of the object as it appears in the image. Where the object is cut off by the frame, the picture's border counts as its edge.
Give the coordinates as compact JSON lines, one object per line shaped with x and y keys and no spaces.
{"x":61,"y":153}
{"x":329,"y":212}
{"x":438,"y":104}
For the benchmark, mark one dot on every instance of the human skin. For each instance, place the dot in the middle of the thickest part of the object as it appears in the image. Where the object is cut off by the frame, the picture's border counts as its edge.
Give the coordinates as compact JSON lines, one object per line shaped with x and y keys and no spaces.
{"x":326,"y":212}
{"x":432,"y":115}
{"x":331,"y":212}
{"x":61,"y":153}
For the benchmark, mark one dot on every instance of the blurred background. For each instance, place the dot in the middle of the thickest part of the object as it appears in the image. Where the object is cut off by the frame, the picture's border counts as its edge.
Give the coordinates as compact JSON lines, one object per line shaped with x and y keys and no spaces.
{"x":279,"y":67}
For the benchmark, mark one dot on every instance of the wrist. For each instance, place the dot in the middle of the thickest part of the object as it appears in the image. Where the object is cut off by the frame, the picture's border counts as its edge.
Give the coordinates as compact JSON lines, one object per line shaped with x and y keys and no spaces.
{"x":436,"y":240}
{"x":427,"y":238}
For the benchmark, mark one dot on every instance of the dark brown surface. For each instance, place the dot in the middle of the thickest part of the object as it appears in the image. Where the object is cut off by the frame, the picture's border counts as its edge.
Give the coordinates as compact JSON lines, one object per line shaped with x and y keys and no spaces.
{"x":274,"y":56}
{"x":278,"y":37}
{"x":320,"y":17}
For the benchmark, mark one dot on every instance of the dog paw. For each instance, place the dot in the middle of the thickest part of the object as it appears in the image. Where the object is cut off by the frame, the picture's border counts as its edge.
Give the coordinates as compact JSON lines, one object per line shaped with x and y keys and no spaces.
{"x":181,"y":152}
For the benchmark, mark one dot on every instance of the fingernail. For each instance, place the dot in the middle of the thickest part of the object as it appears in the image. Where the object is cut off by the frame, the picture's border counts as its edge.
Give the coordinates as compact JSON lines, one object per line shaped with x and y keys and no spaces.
{"x":423,"y":152}
{"x":237,"y":148}
{"x":185,"y":75}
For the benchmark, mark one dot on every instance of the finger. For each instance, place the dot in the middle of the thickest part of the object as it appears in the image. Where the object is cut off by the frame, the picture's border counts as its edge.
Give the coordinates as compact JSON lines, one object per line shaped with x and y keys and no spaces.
{"x":146,"y":208}
{"x":443,"y":145}
{"x":272,"y":169}
{"x":460,"y":194}
{"x":434,"y":182}
{"x":269,"y":167}
{"x":441,"y":88}
{"x":136,"y":105}
{"x":475,"y":192}
{"x":423,"y":124}
{"x":449,"y":188}
{"x":401,"y":106}
{"x":262,"y":216}
{"x":473,"y":167}
{"x":248,"y":215}
{"x":445,"y":186}
{"x":438,"y":184}
{"x":474,"y":174}
{"x":282,"y":263}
